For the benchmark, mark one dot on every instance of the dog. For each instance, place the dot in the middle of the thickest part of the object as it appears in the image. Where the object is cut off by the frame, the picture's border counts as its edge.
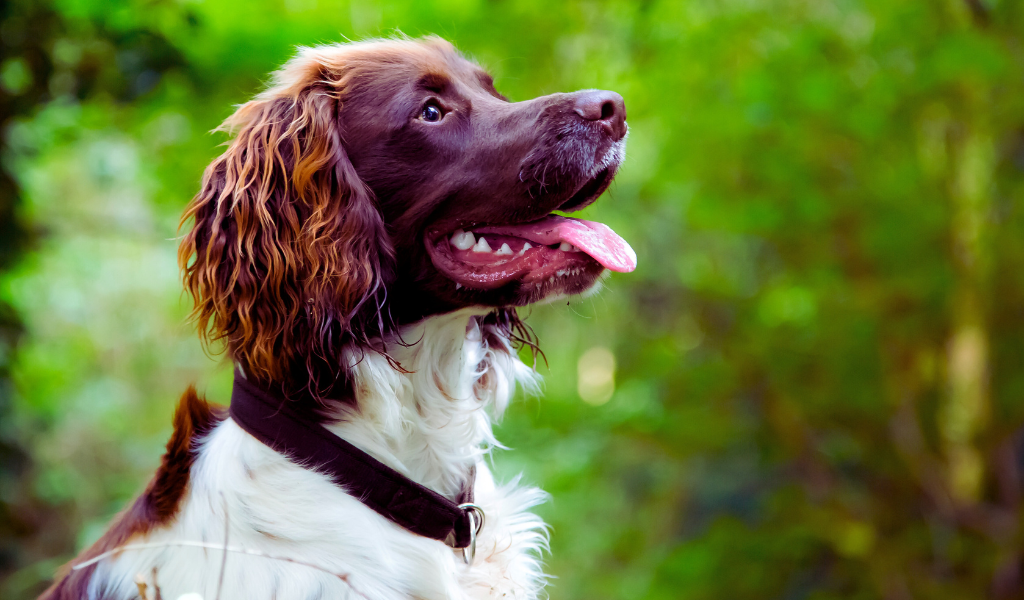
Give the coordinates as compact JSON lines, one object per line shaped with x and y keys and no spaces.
{"x":360,"y":249}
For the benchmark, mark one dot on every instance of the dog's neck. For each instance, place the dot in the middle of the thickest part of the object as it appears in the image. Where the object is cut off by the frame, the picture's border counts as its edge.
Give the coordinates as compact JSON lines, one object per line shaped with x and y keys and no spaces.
{"x":430,"y":422}
{"x":433,"y":422}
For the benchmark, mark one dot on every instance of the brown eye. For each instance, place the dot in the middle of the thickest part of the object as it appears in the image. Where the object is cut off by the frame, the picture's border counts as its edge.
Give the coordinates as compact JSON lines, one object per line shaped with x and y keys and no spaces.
{"x":431,"y":113}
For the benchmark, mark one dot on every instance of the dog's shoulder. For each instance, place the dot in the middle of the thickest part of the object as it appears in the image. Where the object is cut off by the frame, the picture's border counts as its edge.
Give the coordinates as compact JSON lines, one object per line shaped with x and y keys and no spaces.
{"x":158,"y":504}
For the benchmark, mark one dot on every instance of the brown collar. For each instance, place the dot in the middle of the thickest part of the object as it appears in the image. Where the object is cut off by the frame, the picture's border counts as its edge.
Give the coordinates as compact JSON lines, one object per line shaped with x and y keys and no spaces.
{"x":272,"y":420}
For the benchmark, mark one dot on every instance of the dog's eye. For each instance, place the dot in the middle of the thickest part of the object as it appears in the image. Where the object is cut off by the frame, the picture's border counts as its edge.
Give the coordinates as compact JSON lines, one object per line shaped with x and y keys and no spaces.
{"x":431,"y":113}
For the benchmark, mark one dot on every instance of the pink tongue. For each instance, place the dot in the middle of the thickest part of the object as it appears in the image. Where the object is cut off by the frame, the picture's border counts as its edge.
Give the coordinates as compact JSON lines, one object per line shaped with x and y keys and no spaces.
{"x":599,"y":241}
{"x":596,"y":239}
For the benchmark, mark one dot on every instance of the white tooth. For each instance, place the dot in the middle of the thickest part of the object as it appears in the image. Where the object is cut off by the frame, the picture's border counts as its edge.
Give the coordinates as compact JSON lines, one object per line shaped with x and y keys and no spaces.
{"x":481,"y":246}
{"x":504,"y":250}
{"x":458,"y":286}
{"x":565,"y":247}
{"x":552,"y":279}
{"x":526,"y":247}
{"x":463,"y":240}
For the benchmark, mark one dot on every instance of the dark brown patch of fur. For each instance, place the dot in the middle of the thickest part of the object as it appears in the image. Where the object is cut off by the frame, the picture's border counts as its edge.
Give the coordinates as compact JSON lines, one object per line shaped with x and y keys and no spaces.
{"x":158,"y":505}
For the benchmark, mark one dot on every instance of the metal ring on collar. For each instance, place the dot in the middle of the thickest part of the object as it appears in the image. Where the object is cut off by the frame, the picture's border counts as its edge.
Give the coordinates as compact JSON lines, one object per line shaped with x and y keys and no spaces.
{"x":475,"y":526}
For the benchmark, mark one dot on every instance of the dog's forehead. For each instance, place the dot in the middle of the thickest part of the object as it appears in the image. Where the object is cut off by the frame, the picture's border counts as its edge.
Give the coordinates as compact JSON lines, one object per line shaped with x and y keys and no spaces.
{"x":436,"y":65}
{"x":392,"y":85}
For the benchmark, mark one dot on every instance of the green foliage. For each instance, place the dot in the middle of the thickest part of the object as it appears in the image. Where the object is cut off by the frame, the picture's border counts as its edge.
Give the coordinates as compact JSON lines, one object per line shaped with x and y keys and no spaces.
{"x":817,"y":383}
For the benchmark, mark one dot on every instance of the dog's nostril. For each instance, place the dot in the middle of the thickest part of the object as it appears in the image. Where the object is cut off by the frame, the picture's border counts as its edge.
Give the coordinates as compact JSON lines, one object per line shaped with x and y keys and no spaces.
{"x":607,"y":110}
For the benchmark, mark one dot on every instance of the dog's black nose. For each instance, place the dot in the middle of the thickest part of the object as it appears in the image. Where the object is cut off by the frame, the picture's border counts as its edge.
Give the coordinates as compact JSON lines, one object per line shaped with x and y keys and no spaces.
{"x":606,"y":107}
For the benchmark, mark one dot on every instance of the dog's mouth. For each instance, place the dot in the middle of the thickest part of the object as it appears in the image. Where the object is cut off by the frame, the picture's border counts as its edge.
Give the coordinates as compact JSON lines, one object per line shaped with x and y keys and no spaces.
{"x":548,"y":250}
{"x":551,"y":254}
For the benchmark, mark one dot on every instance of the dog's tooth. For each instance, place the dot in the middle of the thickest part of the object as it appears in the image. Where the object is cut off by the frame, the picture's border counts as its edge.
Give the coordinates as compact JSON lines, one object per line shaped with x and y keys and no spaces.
{"x":526,"y":247}
{"x":504,"y":250}
{"x":565,"y":247}
{"x":552,"y":279}
{"x":481,"y":245}
{"x":458,"y":286}
{"x":463,"y":240}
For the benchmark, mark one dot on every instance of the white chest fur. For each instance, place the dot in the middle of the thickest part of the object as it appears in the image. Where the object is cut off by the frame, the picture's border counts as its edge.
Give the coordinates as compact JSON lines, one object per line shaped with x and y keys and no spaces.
{"x":430,"y":424}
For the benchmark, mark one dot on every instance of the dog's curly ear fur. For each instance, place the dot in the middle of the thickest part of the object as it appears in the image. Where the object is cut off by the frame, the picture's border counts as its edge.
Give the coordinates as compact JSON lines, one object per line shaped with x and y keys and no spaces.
{"x":286,"y":243}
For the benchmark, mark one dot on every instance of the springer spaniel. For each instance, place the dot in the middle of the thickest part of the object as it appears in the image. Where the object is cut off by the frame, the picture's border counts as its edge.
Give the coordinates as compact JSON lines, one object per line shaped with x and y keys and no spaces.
{"x":360,"y":248}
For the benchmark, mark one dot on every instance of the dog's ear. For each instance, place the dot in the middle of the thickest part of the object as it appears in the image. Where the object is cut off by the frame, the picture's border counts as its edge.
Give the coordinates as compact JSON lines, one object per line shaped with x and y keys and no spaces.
{"x":286,"y":243}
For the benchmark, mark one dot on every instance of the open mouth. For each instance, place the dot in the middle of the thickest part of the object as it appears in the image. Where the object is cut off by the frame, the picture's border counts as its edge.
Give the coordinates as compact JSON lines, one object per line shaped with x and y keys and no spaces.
{"x":551,"y":249}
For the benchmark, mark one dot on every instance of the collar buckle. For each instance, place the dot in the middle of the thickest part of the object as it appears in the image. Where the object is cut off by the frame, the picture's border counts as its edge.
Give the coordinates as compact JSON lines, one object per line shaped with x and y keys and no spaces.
{"x":475,"y":525}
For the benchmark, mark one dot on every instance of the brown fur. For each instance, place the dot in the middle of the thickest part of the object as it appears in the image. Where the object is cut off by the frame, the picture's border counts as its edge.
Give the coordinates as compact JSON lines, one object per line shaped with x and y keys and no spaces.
{"x":158,"y":505}
{"x":287,"y":243}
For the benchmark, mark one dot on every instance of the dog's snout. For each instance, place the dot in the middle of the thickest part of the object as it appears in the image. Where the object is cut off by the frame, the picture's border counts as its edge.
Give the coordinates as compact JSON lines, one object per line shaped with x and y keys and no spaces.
{"x":603,"y":106}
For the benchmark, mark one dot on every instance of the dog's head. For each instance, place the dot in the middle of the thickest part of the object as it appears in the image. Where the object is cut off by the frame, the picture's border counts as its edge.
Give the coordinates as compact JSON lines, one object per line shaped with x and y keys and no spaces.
{"x":377,"y":183}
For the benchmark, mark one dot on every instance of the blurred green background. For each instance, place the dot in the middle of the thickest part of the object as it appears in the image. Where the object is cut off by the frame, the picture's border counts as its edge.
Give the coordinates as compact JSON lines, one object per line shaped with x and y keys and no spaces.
{"x":810,"y":388}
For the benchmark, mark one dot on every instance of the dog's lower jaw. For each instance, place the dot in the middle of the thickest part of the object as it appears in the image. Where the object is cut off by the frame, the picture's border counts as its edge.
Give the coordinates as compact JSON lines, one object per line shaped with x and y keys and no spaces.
{"x":430,"y":424}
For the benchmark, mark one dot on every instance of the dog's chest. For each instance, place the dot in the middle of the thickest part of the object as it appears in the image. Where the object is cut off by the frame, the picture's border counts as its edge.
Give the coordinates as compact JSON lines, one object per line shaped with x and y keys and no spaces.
{"x":293,"y":533}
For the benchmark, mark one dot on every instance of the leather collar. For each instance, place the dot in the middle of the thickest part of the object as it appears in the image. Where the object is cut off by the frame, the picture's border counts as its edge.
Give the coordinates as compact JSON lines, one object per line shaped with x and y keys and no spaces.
{"x":272,"y":420}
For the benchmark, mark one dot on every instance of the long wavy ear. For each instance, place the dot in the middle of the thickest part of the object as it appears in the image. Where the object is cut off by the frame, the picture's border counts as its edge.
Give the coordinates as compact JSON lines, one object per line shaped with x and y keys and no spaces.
{"x":286,"y":243}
